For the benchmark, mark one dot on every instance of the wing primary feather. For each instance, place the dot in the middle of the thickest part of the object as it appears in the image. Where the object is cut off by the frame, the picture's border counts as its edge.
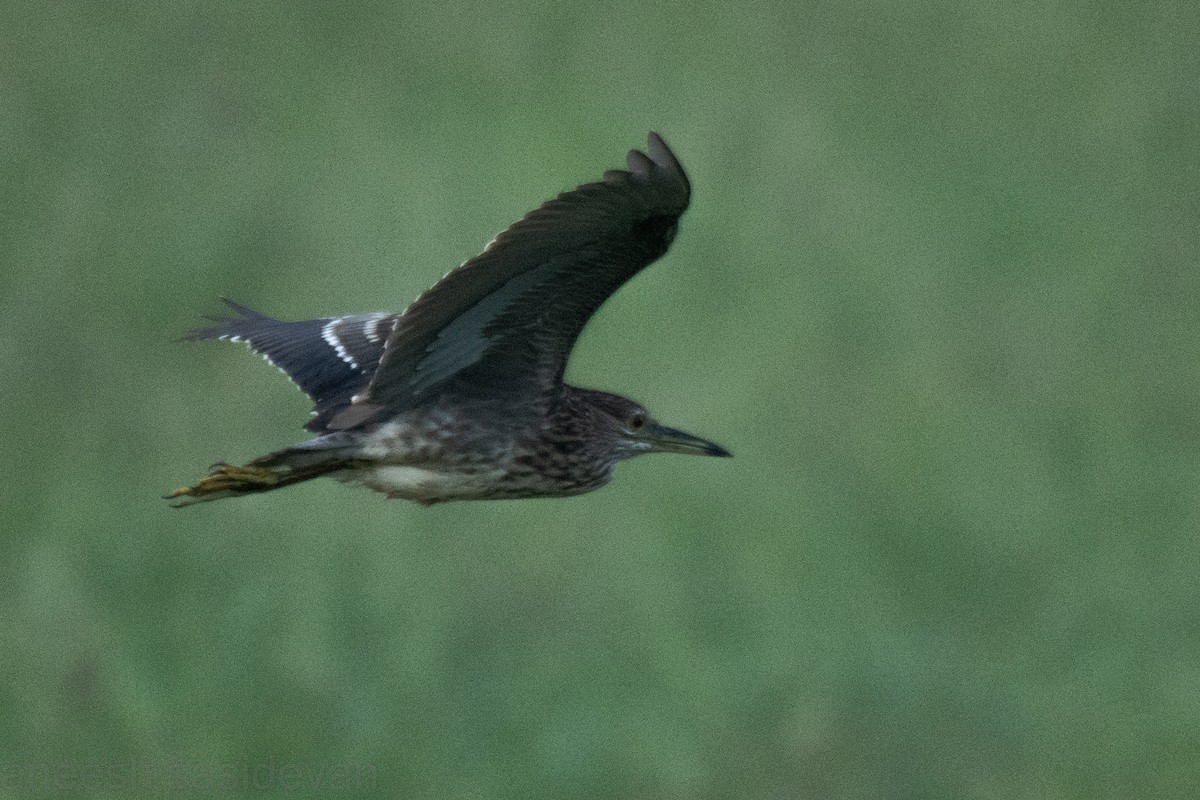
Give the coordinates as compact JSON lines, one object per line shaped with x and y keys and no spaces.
{"x":330,"y":359}
{"x":506,"y":320}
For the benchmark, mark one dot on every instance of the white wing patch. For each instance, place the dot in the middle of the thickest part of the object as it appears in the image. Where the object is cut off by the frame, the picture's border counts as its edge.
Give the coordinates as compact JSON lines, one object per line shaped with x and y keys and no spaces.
{"x":371,"y":328}
{"x":329,"y":334}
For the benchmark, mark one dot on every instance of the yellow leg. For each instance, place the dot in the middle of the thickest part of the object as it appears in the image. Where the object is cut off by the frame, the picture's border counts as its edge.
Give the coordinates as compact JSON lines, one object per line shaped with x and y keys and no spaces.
{"x":226,"y":480}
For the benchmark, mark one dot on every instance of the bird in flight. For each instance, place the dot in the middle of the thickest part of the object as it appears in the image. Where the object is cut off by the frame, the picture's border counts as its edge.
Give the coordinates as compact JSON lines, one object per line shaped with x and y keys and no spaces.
{"x":461,"y":396}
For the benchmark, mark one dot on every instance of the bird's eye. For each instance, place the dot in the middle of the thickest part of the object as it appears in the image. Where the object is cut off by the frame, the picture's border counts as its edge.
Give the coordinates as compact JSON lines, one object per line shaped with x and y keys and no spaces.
{"x":637,"y":420}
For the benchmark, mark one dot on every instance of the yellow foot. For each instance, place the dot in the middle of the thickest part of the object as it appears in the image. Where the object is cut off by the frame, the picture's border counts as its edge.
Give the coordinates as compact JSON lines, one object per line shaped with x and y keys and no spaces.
{"x":225,"y":480}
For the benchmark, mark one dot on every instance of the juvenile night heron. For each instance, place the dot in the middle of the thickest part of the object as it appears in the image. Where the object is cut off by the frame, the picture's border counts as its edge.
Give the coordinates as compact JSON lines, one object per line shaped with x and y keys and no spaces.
{"x":461,"y":397}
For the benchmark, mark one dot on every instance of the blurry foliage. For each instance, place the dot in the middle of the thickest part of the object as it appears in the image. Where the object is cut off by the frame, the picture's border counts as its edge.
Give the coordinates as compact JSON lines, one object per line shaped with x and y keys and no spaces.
{"x":937,"y":291}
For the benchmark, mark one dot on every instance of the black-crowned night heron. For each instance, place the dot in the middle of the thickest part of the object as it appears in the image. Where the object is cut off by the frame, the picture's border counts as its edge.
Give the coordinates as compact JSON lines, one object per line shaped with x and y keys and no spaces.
{"x":461,"y":397}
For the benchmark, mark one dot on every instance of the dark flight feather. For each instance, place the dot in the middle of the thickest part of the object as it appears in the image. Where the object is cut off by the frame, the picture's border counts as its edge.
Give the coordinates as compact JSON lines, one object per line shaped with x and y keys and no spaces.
{"x":330,"y":359}
{"x":505,"y":321}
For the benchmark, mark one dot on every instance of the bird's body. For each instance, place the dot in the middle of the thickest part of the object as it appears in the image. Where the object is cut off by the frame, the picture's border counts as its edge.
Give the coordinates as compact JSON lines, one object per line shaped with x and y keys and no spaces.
{"x":446,"y":454}
{"x":461,"y":397}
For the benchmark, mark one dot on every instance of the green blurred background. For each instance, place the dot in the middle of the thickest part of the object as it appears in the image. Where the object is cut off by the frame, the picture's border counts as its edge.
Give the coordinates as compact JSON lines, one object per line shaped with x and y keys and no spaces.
{"x":936,"y":290}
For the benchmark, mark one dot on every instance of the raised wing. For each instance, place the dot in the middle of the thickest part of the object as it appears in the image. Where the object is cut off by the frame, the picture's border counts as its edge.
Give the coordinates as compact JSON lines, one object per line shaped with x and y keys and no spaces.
{"x":503,"y":324}
{"x":330,"y":359}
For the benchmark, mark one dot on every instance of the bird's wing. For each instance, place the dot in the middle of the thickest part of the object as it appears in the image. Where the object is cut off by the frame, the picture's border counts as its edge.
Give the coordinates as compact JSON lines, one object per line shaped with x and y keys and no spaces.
{"x":504,"y":323}
{"x":330,"y":359}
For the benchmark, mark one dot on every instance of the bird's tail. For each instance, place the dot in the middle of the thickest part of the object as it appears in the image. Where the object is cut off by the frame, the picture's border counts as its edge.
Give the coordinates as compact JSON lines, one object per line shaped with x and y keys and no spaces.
{"x":274,"y":471}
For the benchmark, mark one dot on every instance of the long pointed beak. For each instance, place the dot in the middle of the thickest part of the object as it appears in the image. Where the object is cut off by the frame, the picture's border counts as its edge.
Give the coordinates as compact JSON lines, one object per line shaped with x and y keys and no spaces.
{"x":670,"y":440}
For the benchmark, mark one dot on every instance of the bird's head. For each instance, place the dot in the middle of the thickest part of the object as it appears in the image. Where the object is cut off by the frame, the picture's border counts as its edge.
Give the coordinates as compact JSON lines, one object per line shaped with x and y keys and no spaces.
{"x":628,"y":429}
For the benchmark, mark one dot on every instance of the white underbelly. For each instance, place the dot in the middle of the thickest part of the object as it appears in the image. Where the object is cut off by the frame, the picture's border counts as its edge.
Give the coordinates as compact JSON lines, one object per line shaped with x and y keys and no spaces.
{"x":426,"y":485}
